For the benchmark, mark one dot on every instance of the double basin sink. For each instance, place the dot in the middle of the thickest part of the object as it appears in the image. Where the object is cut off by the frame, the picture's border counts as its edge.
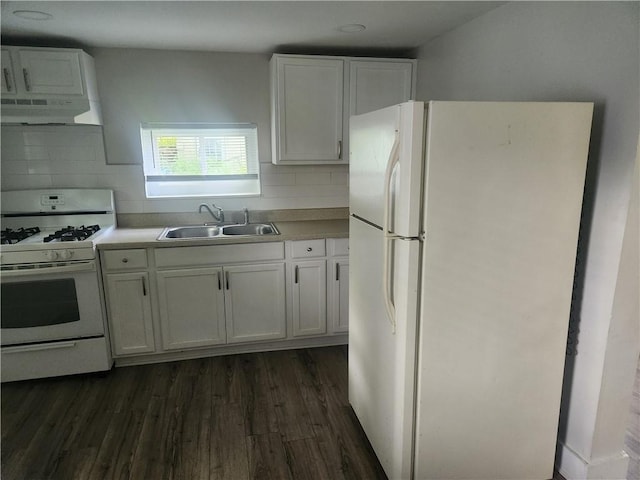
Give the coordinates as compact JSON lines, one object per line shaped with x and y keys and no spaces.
{"x":218,"y":231}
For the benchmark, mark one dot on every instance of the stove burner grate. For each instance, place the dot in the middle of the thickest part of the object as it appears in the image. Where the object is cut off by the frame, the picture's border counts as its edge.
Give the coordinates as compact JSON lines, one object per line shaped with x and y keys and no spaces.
{"x":9,"y":236}
{"x":72,"y":234}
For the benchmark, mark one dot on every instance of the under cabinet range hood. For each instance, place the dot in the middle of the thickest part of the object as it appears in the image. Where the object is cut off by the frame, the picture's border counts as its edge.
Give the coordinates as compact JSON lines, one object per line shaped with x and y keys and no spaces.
{"x":51,"y":111}
{"x":48,"y":111}
{"x":49,"y":85}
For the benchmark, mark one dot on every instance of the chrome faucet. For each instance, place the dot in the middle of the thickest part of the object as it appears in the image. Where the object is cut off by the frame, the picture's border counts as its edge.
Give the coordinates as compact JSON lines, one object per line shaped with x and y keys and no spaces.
{"x":218,"y":217}
{"x":245,"y":210}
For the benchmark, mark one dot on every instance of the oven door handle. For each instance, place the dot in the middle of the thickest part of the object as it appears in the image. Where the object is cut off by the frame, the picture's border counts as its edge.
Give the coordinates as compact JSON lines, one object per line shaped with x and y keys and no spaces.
{"x":37,"y":348}
{"x":76,"y":267}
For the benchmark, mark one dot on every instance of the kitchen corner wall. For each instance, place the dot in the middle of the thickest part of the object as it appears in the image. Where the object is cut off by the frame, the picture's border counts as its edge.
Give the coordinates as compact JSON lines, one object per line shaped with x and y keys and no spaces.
{"x":137,"y":86}
{"x":571,"y":51}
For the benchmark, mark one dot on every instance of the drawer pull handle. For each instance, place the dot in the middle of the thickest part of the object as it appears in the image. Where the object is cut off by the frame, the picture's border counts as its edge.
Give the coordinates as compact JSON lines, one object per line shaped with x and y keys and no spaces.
{"x":37,"y":348}
{"x":7,"y":79}
{"x":226,"y":276}
{"x":219,"y":282}
{"x":337,"y":272}
{"x":309,"y":249}
{"x":27,"y":80}
{"x":125,"y":260}
{"x":144,"y":287}
{"x":296,"y":275}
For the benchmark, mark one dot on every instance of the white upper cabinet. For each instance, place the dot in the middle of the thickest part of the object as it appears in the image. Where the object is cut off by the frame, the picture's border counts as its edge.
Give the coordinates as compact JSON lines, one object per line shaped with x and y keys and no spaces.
{"x":31,"y":71}
{"x":8,"y":78}
{"x":375,"y":85}
{"x":312,"y":98}
{"x":51,"y":71}
{"x":307,"y":104}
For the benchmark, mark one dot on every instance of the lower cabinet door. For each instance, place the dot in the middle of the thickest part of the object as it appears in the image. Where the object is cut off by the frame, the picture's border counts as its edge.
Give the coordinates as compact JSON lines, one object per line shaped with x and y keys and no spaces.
{"x":339,"y":295}
{"x":191,"y":307}
{"x":309,"y":298}
{"x":129,"y":308}
{"x":255,"y":302}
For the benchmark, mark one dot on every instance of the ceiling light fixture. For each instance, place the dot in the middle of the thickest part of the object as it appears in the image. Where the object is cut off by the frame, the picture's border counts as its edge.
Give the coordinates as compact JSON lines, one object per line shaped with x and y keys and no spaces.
{"x":32,"y":15}
{"x":351,"y":28}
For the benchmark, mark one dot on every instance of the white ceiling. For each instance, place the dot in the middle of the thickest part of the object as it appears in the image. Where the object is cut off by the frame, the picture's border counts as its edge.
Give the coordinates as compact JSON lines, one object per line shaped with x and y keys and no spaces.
{"x":238,"y":26}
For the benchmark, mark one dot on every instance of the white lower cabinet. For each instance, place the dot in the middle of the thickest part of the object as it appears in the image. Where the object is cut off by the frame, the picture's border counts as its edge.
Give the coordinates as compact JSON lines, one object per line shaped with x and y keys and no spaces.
{"x":191,"y":306}
{"x":129,"y":309}
{"x":309,"y":297}
{"x":318,"y":286}
{"x":254,"y":302}
{"x":175,"y":300}
{"x":338,"y":293}
{"x":338,"y":285}
{"x":202,"y":307}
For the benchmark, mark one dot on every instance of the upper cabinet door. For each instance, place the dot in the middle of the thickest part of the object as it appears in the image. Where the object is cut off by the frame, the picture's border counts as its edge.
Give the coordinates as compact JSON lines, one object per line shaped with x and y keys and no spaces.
{"x":307,"y":97}
{"x":8,"y":81}
{"x":51,"y":71}
{"x":375,"y":85}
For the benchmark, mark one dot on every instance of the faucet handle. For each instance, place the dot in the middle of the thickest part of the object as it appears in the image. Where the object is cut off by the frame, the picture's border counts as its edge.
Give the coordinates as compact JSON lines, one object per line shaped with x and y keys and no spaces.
{"x":245,"y":210}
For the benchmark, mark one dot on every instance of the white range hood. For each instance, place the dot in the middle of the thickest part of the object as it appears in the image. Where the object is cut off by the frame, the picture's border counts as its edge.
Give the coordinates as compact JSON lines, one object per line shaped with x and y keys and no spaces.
{"x":49,"y":85}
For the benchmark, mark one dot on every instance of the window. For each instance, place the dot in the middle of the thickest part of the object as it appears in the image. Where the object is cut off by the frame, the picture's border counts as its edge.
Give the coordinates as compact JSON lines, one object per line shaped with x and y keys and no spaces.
{"x":194,"y":160}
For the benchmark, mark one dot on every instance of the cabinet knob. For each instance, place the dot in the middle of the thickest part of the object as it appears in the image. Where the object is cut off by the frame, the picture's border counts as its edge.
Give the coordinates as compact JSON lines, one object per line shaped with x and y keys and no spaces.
{"x":125,"y":260}
{"x":309,"y":249}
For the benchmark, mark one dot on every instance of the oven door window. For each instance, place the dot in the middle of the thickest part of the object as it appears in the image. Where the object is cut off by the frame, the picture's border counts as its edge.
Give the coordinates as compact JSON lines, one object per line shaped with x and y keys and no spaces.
{"x":39,"y":303}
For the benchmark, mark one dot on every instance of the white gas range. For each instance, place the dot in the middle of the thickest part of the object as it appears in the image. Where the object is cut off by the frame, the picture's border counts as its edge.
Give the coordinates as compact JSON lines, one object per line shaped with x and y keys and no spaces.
{"x":52,"y":313}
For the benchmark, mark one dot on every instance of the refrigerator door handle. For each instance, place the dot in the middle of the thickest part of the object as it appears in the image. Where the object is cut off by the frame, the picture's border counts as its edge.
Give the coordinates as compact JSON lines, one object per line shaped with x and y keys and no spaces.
{"x":387,"y":272}
{"x":394,"y":159}
{"x":388,"y":235}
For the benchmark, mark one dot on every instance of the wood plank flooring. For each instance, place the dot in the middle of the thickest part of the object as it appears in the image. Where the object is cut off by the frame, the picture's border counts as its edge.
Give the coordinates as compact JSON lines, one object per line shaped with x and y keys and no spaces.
{"x":277,"y":415}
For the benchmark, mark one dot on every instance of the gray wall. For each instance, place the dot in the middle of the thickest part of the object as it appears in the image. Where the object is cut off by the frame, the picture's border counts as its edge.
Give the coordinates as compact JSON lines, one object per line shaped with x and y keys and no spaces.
{"x":178,"y":86}
{"x":564,"y":51}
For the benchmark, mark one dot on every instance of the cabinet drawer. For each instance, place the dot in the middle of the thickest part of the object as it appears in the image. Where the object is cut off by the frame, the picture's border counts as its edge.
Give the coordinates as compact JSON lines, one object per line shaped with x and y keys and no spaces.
{"x":218,"y":254}
{"x":338,"y":247}
{"x":52,"y":359}
{"x":308,"y":248}
{"x":125,"y":259}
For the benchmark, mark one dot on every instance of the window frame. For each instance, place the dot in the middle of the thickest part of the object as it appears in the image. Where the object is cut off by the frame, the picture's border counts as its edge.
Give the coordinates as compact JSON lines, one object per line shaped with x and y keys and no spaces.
{"x":158,"y":185}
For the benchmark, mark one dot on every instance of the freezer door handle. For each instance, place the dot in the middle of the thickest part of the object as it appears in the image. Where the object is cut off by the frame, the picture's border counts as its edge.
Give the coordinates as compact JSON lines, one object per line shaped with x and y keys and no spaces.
{"x":388,"y":235}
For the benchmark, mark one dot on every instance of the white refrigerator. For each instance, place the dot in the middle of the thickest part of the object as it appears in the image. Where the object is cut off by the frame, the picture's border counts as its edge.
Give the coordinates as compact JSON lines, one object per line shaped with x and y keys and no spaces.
{"x":463,"y":233}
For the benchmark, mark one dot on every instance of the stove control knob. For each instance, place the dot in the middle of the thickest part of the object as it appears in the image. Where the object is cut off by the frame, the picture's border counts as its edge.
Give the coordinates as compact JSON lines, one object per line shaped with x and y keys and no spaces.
{"x":66,"y":254}
{"x":51,"y":255}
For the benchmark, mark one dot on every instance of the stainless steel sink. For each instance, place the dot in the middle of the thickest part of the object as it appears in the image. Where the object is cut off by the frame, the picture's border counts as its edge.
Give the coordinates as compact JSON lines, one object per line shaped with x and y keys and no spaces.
{"x":190,"y":232}
{"x":250,"y":229}
{"x":206,"y":231}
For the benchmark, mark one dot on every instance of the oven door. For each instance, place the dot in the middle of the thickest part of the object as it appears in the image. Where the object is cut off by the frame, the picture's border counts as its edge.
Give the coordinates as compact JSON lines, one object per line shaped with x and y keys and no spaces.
{"x":53,"y":303}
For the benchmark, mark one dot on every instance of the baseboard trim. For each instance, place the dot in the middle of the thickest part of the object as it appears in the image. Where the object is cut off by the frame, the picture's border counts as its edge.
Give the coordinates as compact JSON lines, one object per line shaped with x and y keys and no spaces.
{"x":321,"y":341}
{"x":573,"y":467}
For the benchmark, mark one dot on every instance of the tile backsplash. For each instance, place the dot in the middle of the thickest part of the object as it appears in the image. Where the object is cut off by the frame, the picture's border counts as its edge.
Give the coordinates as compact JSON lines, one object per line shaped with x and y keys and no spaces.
{"x":73,"y":156}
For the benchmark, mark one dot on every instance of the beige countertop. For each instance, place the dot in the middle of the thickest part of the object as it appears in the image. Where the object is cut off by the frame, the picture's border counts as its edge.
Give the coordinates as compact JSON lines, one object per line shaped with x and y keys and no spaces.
{"x":148,"y":237}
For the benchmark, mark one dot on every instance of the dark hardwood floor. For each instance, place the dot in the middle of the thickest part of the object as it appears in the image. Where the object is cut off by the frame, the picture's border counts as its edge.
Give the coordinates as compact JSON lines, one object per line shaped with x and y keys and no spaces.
{"x":277,"y":415}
